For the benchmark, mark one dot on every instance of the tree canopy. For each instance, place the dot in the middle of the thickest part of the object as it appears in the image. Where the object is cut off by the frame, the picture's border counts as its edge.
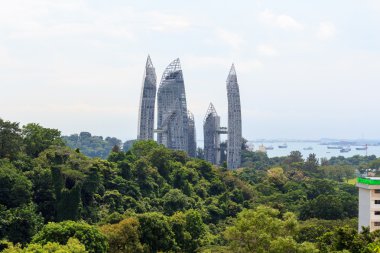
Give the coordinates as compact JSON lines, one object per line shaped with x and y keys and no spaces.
{"x":54,"y":198}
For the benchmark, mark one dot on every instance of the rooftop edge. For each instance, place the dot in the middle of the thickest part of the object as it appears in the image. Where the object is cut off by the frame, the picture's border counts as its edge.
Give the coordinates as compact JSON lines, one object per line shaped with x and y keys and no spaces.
{"x":369,"y":181}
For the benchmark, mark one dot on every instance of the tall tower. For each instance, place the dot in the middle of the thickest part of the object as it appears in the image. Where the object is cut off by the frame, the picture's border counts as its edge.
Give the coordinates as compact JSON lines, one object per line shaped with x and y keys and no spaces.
{"x":234,"y":121}
{"x":192,"y":142}
{"x":147,"y":102}
{"x":172,"y":118}
{"x":211,"y":136}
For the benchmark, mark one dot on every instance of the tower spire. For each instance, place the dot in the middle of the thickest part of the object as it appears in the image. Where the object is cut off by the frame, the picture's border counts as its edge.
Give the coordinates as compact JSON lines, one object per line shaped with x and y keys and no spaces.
{"x":149,"y":63}
{"x":232,"y":70}
{"x":211,"y":108}
{"x":232,"y":79}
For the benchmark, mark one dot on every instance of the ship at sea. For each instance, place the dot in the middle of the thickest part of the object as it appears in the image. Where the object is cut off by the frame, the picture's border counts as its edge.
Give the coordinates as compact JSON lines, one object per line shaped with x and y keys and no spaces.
{"x":365,"y":147}
{"x":345,"y":150}
{"x":308,"y":148}
{"x":269,"y":147}
{"x":283,"y":146}
{"x":334,"y":147}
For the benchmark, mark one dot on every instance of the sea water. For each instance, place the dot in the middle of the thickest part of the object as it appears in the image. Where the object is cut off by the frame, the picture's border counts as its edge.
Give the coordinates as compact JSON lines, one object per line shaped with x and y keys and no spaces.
{"x":318,"y":149}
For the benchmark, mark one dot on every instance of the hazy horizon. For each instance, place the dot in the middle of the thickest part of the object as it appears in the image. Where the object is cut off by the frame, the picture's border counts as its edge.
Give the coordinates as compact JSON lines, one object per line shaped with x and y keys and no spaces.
{"x":305,"y":71}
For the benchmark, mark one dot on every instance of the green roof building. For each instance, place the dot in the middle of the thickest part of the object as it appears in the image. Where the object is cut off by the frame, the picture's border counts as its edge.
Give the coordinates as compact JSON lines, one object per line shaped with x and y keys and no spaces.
{"x":369,"y":203}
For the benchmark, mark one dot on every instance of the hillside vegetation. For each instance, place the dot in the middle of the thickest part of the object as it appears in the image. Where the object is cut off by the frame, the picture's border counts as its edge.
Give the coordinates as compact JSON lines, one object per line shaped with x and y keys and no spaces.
{"x":92,"y":146}
{"x":152,"y":199}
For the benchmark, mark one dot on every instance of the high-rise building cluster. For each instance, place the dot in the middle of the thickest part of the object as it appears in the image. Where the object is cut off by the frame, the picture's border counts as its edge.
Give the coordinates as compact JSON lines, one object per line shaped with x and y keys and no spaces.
{"x":175,"y":123}
{"x":212,"y":129}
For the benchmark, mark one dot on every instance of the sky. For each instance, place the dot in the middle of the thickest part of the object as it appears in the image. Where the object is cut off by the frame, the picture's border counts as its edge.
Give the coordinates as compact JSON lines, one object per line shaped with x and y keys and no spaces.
{"x":306,"y":69}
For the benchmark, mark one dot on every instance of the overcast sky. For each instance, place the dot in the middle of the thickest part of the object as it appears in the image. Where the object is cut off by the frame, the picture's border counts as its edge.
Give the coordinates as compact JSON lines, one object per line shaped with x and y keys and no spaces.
{"x":306,"y":69}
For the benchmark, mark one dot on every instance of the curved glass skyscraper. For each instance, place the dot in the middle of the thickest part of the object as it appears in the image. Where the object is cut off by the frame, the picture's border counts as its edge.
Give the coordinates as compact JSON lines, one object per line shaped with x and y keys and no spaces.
{"x":147,"y":103}
{"x":175,"y":124}
{"x":172,"y":116}
{"x":192,"y":142}
{"x":211,"y":136}
{"x":234,"y":121}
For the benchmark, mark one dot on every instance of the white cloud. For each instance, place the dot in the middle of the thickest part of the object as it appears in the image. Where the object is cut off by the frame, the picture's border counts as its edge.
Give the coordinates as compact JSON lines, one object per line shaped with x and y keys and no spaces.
{"x":326,"y":31}
{"x":248,"y":66}
{"x":44,"y":19}
{"x":265,"y":49}
{"x":195,"y":62}
{"x":201,"y":62}
{"x":5,"y":58}
{"x":167,"y":23}
{"x":72,"y":108}
{"x":232,"y":39}
{"x":282,"y":21}
{"x":374,"y":5}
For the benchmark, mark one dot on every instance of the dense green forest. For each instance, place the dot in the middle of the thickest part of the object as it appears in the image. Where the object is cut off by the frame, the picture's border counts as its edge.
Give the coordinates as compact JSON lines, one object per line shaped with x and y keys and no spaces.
{"x":151,"y":199}
{"x":92,"y":146}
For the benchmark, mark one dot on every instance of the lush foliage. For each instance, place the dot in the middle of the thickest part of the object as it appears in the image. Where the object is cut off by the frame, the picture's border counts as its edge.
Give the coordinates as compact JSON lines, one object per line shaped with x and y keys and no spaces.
{"x":123,"y":236}
{"x":152,"y":199}
{"x":73,"y":246}
{"x":92,"y":146}
{"x":263,"y":230}
{"x":89,"y":236}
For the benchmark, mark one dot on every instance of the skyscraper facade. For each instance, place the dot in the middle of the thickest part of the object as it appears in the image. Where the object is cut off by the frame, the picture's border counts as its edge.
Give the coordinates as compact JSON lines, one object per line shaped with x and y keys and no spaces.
{"x":192,"y":142}
{"x":234,"y":141}
{"x":172,"y":115}
{"x":147,"y":102}
{"x":211,"y":136}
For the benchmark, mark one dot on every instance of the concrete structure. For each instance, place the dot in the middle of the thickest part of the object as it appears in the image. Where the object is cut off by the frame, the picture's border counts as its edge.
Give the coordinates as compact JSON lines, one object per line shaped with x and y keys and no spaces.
{"x":211,"y":137}
{"x":369,"y":203}
{"x":192,"y":146}
{"x":234,"y":141}
{"x":147,"y":102}
{"x":172,"y":116}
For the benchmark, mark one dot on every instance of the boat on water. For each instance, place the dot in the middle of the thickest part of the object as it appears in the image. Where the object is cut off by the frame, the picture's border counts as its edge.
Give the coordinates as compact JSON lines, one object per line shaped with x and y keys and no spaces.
{"x":365,"y":147}
{"x":334,"y":147}
{"x":308,"y":148}
{"x":269,"y":147}
{"x":283,"y":146}
{"x":345,"y":150}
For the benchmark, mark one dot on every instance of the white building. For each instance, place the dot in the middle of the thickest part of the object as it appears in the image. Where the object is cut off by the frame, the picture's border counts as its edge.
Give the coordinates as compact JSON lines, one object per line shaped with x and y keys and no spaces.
{"x":369,"y":203}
